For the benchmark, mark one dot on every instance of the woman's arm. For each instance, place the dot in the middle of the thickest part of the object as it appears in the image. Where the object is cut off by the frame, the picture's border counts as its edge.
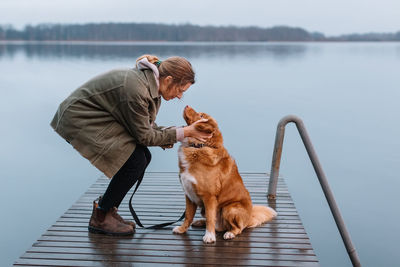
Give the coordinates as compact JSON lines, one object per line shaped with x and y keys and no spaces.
{"x":136,"y":119}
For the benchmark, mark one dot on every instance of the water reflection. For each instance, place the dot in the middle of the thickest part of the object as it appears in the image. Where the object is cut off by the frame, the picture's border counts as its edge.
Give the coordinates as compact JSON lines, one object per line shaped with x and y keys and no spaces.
{"x":106,"y":51}
{"x":107,"y":249}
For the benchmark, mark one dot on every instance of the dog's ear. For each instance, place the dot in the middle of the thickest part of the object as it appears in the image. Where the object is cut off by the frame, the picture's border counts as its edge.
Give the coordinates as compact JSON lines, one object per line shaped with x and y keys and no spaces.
{"x":204,"y":127}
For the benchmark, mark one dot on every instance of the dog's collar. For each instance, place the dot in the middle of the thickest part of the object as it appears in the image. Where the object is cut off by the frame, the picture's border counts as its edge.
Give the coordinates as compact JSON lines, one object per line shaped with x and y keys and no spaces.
{"x":197,"y":145}
{"x":200,"y":146}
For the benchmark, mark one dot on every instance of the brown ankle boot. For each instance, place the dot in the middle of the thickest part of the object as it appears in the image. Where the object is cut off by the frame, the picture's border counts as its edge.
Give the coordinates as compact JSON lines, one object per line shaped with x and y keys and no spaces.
{"x":115,"y":214}
{"x":114,"y":210}
{"x":105,"y":223}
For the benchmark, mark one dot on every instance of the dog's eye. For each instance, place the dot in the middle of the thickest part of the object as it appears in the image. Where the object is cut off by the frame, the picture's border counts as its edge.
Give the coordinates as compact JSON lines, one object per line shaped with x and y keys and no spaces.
{"x":201,"y":115}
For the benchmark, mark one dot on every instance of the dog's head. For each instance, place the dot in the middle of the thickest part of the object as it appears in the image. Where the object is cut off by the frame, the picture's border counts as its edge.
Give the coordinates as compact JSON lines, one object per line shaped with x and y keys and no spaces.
{"x":210,"y":127}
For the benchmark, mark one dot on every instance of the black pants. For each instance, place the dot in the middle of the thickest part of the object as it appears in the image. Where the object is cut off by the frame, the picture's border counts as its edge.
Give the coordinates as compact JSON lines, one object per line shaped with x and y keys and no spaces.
{"x":125,"y":178}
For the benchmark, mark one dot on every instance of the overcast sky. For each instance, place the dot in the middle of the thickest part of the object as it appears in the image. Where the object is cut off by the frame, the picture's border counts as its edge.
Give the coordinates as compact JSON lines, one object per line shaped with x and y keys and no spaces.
{"x":331,"y":17}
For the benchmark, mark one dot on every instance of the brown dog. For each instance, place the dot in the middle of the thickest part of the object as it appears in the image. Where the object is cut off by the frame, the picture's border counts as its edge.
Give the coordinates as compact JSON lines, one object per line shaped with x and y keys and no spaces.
{"x":211,"y":180}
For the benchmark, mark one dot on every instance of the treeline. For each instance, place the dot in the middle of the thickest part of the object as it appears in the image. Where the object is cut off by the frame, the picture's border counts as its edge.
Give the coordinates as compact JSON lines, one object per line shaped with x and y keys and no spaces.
{"x":154,"y":32}
{"x":175,"y":33}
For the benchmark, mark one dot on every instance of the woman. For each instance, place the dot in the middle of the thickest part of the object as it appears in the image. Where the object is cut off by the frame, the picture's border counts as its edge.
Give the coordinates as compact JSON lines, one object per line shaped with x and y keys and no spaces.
{"x":110,"y":120}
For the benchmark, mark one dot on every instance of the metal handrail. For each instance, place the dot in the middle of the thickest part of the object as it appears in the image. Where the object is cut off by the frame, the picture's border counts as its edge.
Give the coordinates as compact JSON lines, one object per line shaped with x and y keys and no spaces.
{"x":276,"y":160}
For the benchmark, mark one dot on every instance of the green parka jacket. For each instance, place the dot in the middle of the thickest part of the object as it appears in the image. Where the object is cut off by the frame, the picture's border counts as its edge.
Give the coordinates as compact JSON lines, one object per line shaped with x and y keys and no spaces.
{"x":107,"y":116}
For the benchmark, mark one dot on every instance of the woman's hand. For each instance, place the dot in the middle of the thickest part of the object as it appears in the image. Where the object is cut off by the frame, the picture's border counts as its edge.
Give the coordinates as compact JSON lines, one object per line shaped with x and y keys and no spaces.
{"x":191,"y":131}
{"x":167,"y":146}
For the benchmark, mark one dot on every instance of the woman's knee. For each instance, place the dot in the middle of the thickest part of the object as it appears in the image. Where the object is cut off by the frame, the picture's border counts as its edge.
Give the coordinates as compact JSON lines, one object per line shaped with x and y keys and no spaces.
{"x":147,"y":154}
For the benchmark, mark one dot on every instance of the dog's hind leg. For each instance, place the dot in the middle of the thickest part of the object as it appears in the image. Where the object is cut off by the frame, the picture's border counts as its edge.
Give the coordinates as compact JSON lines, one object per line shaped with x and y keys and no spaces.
{"x":189,"y":215}
{"x":220,"y":225}
{"x":200,"y":222}
{"x":236,"y":216}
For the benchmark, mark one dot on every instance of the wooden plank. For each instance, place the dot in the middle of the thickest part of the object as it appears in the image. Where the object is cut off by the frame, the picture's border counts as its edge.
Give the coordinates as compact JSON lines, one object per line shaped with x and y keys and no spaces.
{"x":179,"y":247}
{"x":263,"y":231}
{"x":169,"y":253}
{"x":195,"y":233}
{"x":144,"y":239}
{"x":282,"y":242}
{"x":172,"y":238}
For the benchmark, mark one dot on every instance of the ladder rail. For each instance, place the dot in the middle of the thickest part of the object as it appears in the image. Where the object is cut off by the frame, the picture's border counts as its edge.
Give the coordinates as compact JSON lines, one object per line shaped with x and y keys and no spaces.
{"x":276,"y":160}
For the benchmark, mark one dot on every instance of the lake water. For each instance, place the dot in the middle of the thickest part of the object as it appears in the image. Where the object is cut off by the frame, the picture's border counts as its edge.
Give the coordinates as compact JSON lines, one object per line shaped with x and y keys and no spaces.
{"x":346,"y":93}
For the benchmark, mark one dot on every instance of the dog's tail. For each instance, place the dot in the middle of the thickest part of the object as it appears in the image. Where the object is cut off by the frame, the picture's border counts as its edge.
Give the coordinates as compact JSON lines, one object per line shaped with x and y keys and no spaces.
{"x":260,"y":215}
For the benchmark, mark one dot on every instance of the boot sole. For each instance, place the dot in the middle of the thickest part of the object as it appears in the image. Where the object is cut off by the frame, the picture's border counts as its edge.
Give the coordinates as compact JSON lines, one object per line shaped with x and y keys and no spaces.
{"x":95,"y":230}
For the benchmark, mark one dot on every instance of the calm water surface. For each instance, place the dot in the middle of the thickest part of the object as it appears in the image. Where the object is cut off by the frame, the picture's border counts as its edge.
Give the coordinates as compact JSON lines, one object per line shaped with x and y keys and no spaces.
{"x":347,"y":94}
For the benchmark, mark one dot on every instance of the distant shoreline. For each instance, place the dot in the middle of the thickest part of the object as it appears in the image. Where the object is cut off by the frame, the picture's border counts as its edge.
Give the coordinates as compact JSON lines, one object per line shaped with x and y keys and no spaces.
{"x":188,"y":33}
{"x":183,"y":43}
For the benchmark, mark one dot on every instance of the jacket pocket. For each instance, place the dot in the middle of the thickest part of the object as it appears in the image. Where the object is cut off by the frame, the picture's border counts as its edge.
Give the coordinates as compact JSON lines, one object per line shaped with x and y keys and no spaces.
{"x":106,"y":132}
{"x":85,"y":145}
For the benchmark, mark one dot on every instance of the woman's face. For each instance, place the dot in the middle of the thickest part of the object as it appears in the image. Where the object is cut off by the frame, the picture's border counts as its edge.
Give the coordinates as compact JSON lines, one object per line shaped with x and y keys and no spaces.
{"x":170,"y":91}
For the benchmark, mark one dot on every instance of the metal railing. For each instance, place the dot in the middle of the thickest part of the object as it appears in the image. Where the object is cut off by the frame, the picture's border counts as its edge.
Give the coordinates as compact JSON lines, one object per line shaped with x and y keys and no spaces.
{"x":276,"y":160}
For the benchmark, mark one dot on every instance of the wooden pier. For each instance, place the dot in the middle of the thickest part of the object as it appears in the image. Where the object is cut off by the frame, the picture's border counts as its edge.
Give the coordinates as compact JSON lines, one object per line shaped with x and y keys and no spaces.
{"x":281,"y":242}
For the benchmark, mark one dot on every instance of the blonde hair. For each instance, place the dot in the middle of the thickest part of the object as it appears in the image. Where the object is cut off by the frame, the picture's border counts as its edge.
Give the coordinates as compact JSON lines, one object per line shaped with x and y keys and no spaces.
{"x":178,"y":68}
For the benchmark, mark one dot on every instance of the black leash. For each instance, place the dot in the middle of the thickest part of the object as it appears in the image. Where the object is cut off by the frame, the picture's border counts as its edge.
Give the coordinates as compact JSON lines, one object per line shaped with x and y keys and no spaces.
{"x":136,"y":218}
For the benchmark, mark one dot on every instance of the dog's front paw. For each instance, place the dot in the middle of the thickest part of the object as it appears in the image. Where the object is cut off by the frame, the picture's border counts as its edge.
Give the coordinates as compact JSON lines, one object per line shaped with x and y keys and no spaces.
{"x":179,"y":230}
{"x":229,"y":235}
{"x":209,"y":237}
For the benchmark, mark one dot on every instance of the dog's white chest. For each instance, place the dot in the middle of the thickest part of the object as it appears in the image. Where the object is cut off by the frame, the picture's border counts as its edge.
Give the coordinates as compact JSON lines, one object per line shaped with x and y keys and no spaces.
{"x":187,"y":180}
{"x":187,"y":183}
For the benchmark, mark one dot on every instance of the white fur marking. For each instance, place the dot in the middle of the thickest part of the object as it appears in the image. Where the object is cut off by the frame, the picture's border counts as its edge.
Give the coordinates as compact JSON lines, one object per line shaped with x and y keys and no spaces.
{"x":229,"y":235}
{"x":187,"y":179}
{"x":176,"y":230}
{"x":209,"y":237}
{"x":273,"y":212}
